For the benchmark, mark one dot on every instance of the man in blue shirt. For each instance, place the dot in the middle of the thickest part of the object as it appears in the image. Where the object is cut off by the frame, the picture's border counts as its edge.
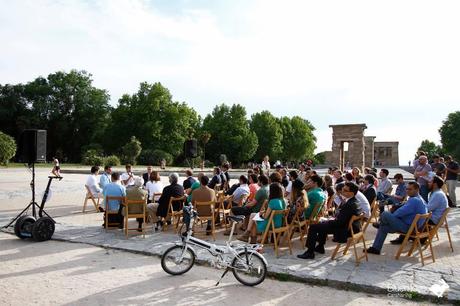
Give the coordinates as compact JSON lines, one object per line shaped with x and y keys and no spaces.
{"x":401,"y":219}
{"x":398,"y":197}
{"x":115,"y":189}
{"x":437,"y":202}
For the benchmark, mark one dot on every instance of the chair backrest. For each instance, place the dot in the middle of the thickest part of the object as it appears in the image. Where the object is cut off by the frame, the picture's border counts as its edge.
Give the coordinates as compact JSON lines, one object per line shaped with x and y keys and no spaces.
{"x":283,"y":212}
{"x":434,"y":228}
{"x":157,"y":195}
{"x":88,"y":191}
{"x":315,"y":214}
{"x":113,"y":198}
{"x":131,"y":204}
{"x":374,"y":209}
{"x":353,"y":219}
{"x":205,"y":209}
{"x":414,"y":229}
{"x":180,"y":199}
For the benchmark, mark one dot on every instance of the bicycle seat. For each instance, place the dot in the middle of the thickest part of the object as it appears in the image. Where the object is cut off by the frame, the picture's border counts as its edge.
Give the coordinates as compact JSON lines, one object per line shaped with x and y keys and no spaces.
{"x":236,"y":218}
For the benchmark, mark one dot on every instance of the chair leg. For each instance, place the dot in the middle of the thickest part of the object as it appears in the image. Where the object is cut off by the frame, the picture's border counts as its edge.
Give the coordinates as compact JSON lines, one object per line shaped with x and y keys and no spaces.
{"x":336,"y":250}
{"x":414,"y":245}
{"x":448,"y":235}
{"x":347,"y":247}
{"x":357,"y":258}
{"x":432,"y":253}
{"x":275,"y":244}
{"x":106,"y":220}
{"x":401,"y":248}
{"x":84,"y":204}
{"x":365,"y":248}
{"x":420,"y":250}
{"x":288,"y":235}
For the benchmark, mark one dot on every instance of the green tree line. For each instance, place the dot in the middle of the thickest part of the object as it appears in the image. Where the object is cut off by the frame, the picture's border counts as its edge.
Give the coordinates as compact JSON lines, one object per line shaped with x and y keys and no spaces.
{"x":145,"y":126}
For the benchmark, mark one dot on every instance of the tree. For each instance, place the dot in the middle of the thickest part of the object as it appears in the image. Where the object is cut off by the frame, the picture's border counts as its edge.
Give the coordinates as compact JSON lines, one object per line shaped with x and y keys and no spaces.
{"x":66,"y":104}
{"x":131,"y":151}
{"x":231,"y":134}
{"x":152,"y":116}
{"x":450,"y":135}
{"x":269,"y":135}
{"x":204,"y":139}
{"x":298,"y":140}
{"x":7,"y":148}
{"x":430,"y":148}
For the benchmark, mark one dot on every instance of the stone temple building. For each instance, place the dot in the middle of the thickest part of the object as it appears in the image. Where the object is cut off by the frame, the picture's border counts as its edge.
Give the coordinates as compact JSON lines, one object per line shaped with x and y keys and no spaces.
{"x":350,"y":147}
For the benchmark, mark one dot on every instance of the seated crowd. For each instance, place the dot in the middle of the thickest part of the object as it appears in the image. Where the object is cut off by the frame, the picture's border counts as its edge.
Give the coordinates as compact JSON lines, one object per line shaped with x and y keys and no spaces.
{"x":329,"y":201}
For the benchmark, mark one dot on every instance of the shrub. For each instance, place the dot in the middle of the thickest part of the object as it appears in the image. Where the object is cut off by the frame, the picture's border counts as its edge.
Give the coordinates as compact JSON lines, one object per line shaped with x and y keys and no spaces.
{"x":7,"y":148}
{"x":112,"y":160}
{"x":154,"y":157}
{"x":131,"y":151}
{"x":92,"y":158}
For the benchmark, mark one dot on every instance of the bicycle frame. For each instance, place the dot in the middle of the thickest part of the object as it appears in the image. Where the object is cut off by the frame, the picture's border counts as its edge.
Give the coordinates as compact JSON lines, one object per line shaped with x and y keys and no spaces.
{"x":218,"y":251}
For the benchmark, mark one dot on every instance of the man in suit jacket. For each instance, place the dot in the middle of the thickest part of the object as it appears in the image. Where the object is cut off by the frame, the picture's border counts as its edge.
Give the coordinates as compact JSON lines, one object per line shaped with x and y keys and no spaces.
{"x":188,"y":182}
{"x":173,"y":190}
{"x":317,"y":233}
{"x":146,"y":176}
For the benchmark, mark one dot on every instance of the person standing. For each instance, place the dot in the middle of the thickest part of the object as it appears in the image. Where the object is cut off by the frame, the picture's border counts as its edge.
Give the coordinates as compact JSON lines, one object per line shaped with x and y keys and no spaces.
{"x":56,"y":168}
{"x":421,"y":175}
{"x":452,"y":171}
{"x":266,"y":166}
{"x":438,"y":167}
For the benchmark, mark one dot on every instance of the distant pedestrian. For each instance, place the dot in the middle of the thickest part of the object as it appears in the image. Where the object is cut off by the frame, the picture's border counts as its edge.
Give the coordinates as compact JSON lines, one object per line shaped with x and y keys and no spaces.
{"x":56,"y":168}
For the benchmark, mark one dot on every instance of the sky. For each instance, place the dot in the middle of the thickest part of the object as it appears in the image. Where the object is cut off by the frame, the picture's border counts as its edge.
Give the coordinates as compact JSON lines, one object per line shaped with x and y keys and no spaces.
{"x":393,"y":65}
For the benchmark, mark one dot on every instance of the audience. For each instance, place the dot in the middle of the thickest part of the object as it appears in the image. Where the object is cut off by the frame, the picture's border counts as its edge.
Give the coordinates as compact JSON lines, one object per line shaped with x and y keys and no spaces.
{"x":127,"y":178}
{"x":275,"y":202}
{"x":317,"y":233}
{"x":173,"y":190}
{"x":92,"y":184}
{"x":253,"y":186}
{"x":421,"y":175}
{"x":136,"y":193}
{"x":204,"y":194}
{"x":105,"y":177}
{"x":241,"y":191}
{"x":399,"y":196}
{"x":114,"y":189}
{"x":216,"y":179}
{"x":438,"y":167}
{"x":401,"y":219}
{"x":146,"y":176}
{"x":188,"y":182}
{"x":369,"y":188}
{"x":315,"y":196}
{"x":298,"y":200}
{"x":154,"y":185}
{"x":385,"y":185}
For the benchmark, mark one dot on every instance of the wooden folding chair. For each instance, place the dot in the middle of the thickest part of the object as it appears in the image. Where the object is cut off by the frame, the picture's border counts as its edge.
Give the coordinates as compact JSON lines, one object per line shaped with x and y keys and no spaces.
{"x":206,"y":212}
{"x":353,"y":240}
{"x":174,"y":215}
{"x":90,"y":196}
{"x":227,"y":208}
{"x":132,"y":204}
{"x":417,"y":233}
{"x":302,"y":225}
{"x":108,"y":211}
{"x":442,"y":223}
{"x":277,"y":232}
{"x":373,"y":216}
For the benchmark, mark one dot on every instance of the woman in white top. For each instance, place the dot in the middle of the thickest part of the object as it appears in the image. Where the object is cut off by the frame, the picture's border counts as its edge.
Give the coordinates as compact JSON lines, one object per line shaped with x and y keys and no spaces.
{"x":154,"y":185}
{"x":266,"y":165}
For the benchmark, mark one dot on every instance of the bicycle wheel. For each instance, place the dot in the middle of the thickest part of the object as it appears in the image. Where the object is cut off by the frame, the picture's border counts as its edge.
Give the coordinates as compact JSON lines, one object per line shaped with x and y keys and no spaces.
{"x":171,"y":260}
{"x":249,"y":268}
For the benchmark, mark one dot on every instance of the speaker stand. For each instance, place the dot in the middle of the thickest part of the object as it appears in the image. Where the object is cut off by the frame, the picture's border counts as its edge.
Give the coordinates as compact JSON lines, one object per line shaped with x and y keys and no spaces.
{"x":32,"y":203}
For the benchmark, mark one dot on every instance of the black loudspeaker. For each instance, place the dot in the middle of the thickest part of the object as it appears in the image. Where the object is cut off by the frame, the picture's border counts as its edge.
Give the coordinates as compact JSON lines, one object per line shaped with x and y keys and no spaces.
{"x":32,"y":146}
{"x":191,"y":148}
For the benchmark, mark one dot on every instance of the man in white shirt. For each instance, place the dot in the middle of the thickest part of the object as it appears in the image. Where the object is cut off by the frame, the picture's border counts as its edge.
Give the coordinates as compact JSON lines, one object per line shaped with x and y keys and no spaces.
{"x":241,"y":191}
{"x":127,"y":178}
{"x":92,"y":182}
{"x":363,"y":204}
{"x":385,"y":185}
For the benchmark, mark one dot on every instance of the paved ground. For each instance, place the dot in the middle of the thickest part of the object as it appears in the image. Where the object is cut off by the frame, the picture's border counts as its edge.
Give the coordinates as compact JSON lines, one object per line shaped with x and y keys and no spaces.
{"x":52,"y":272}
{"x":381,"y":274}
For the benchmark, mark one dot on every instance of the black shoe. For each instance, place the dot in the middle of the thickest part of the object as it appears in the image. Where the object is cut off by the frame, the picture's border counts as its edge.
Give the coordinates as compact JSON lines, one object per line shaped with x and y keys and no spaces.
{"x":120,"y":226}
{"x":373,"y":250}
{"x":320,"y":249}
{"x":101,"y":209}
{"x":307,"y":255}
{"x":398,"y":240}
{"x":376,"y":224}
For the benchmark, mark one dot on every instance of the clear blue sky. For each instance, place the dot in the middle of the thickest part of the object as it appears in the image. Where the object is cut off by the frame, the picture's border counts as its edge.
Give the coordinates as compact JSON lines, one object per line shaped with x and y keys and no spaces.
{"x":393,"y":65}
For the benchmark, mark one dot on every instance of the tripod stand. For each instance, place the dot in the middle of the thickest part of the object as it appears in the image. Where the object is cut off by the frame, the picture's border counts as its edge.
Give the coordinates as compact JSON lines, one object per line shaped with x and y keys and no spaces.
{"x":34,"y":204}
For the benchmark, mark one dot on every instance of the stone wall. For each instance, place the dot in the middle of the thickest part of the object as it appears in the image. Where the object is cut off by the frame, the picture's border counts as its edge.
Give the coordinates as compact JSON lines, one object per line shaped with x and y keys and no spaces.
{"x":386,"y":153}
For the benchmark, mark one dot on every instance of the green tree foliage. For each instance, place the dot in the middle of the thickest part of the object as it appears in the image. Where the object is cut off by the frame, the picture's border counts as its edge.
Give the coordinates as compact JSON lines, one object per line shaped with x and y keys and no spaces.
{"x":92,"y":158}
{"x":298,"y":140}
{"x":430,"y":148}
{"x":131,"y":151}
{"x":320,"y":158}
{"x":450,"y":134}
{"x":269,"y":135}
{"x":7,"y":148}
{"x":231,"y":134}
{"x":111,"y":160}
{"x":65,"y":104}
{"x":152,"y":116}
